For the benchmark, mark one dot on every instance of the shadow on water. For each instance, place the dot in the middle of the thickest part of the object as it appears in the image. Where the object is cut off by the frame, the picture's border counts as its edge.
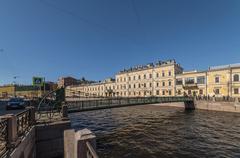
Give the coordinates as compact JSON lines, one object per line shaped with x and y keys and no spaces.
{"x":154,"y":132}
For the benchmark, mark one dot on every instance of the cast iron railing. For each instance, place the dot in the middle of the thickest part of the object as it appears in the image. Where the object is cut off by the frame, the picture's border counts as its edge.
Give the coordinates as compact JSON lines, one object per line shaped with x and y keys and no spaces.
{"x":218,"y":99}
{"x":91,"y":153}
{"x":24,"y":122}
{"x":116,"y":102}
{"x":3,"y":137}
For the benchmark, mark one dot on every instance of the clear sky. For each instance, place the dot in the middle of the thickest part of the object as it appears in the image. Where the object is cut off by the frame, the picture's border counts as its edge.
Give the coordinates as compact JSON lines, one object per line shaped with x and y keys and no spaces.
{"x":97,"y":38}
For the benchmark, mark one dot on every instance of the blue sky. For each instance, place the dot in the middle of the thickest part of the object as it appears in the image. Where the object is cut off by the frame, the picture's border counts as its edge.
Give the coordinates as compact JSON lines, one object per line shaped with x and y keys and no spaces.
{"x":97,"y":38}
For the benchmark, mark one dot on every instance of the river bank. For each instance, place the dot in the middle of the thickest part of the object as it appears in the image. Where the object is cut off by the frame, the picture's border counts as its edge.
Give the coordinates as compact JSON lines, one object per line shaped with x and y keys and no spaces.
{"x":208,"y":105}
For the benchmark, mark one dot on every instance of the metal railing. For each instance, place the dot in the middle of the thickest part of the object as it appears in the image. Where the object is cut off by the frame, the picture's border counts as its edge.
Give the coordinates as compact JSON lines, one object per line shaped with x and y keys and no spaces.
{"x":91,"y":153}
{"x":217,"y":99}
{"x":117,"y":102}
{"x":3,"y":137}
{"x":24,"y":122}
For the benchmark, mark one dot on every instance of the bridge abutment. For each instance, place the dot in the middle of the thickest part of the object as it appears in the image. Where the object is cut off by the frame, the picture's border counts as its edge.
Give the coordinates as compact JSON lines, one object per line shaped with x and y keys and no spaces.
{"x":189,"y":105}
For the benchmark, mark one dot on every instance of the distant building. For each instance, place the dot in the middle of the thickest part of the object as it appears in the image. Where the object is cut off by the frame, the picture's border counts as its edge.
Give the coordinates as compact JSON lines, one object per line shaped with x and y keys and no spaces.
{"x":165,"y":78}
{"x":70,"y":81}
{"x":26,"y":91}
{"x":66,"y":81}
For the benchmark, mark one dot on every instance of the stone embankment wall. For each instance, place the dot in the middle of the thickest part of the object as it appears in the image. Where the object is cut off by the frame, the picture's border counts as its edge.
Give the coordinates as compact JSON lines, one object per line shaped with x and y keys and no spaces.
{"x":26,"y":147}
{"x":218,"y":106}
{"x":208,"y":105}
{"x":49,"y":139}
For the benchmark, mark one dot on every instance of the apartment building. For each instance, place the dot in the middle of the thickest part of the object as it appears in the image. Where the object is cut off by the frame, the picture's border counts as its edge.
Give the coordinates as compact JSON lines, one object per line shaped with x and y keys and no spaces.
{"x":148,"y":80}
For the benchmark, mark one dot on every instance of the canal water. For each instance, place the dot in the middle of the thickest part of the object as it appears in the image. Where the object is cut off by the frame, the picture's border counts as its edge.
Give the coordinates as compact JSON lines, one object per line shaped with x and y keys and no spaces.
{"x":149,"y":131}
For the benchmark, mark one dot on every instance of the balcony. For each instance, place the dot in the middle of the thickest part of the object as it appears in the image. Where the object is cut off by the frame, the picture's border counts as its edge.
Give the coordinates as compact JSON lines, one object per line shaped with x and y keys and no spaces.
{"x":190,"y":86}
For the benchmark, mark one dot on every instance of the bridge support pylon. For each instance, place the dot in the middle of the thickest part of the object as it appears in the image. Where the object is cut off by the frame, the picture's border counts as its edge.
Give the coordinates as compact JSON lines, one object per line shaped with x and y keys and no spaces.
{"x":189,"y":105}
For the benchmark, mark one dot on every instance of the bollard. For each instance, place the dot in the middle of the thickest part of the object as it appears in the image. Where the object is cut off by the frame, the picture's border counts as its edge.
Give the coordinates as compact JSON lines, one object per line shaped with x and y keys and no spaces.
{"x":80,"y":145}
{"x":11,"y":129}
{"x":75,"y":143}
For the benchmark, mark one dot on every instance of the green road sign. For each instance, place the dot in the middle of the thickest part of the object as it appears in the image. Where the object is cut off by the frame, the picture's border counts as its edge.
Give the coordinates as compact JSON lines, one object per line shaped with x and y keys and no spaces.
{"x":38,"y":81}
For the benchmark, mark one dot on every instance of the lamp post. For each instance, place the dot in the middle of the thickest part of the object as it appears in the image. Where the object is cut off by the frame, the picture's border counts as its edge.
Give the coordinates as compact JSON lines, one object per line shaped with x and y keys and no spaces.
{"x":14,"y":84}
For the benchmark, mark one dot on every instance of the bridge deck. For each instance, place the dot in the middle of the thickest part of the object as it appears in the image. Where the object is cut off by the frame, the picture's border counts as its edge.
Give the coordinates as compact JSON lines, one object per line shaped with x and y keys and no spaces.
{"x":87,"y":105}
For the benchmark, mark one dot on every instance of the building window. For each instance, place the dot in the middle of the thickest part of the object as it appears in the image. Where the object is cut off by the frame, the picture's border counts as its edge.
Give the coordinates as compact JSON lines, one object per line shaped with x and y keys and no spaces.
{"x":157,"y":92}
{"x":139,"y":77}
{"x":144,"y":76}
{"x":169,"y":73}
{"x":179,"y":92}
{"x":134,"y":78}
{"x":150,"y":93}
{"x":217,"y":79}
{"x":144,"y":85}
{"x":236,"y":91}
{"x":169,"y":83}
{"x":217,"y":91}
{"x":145,"y":93}
{"x":163,"y":84}
{"x":157,"y":75}
{"x":201,"y":80}
{"x":169,"y":92}
{"x":189,"y":80}
{"x":150,"y":84}
{"x":157,"y":84}
{"x":179,"y":81}
{"x":139,"y":85}
{"x":163,"y":92}
{"x":129,"y":86}
{"x":163,"y":74}
{"x":150,"y":75}
{"x":134,"y":86}
{"x":129,"y":78}
{"x":236,"y":78}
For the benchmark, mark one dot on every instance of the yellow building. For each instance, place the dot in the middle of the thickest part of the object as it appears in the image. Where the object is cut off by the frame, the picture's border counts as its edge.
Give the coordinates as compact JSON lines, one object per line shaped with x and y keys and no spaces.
{"x":224,"y":80}
{"x":7,"y":91}
{"x":25,"y":91}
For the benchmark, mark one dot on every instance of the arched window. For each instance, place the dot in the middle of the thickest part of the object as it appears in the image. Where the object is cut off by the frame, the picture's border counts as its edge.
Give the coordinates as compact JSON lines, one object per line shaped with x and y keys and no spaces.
{"x":236,"y":77}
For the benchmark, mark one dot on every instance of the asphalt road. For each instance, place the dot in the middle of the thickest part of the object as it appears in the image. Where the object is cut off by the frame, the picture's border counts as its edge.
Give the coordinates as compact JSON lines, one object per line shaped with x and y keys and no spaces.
{"x":3,"y":110}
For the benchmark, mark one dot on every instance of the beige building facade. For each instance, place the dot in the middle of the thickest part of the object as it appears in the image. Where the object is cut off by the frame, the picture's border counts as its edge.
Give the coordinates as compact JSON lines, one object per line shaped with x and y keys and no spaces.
{"x":165,"y":78}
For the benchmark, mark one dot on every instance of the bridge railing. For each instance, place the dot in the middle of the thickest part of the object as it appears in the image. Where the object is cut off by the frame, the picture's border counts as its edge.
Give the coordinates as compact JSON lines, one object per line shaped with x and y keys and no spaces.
{"x":24,"y":122}
{"x":91,"y":153}
{"x":3,"y":137}
{"x":218,"y":99}
{"x":13,"y":128}
{"x":114,"y":102}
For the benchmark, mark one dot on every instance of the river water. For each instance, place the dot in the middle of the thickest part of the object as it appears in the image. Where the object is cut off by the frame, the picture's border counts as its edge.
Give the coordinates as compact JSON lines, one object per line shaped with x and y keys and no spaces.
{"x":149,"y":131}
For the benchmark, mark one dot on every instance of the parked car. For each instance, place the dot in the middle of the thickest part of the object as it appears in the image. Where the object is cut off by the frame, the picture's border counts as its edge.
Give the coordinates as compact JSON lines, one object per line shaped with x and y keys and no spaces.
{"x":16,"y":103}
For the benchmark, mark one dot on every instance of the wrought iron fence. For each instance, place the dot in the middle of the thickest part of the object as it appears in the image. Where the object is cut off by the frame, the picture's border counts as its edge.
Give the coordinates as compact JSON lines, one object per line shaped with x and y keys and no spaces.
{"x":24,"y":122}
{"x":115,"y":102}
{"x":3,"y":137}
{"x":91,"y":153}
{"x":218,"y":99}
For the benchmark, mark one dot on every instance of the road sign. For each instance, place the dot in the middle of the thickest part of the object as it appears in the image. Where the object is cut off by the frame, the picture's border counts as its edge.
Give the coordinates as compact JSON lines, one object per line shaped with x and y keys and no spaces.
{"x":38,"y":81}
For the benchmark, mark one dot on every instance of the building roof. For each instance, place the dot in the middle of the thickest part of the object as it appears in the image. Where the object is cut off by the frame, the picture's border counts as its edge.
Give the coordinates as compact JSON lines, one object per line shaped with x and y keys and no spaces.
{"x":224,"y":66}
{"x":149,"y":66}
